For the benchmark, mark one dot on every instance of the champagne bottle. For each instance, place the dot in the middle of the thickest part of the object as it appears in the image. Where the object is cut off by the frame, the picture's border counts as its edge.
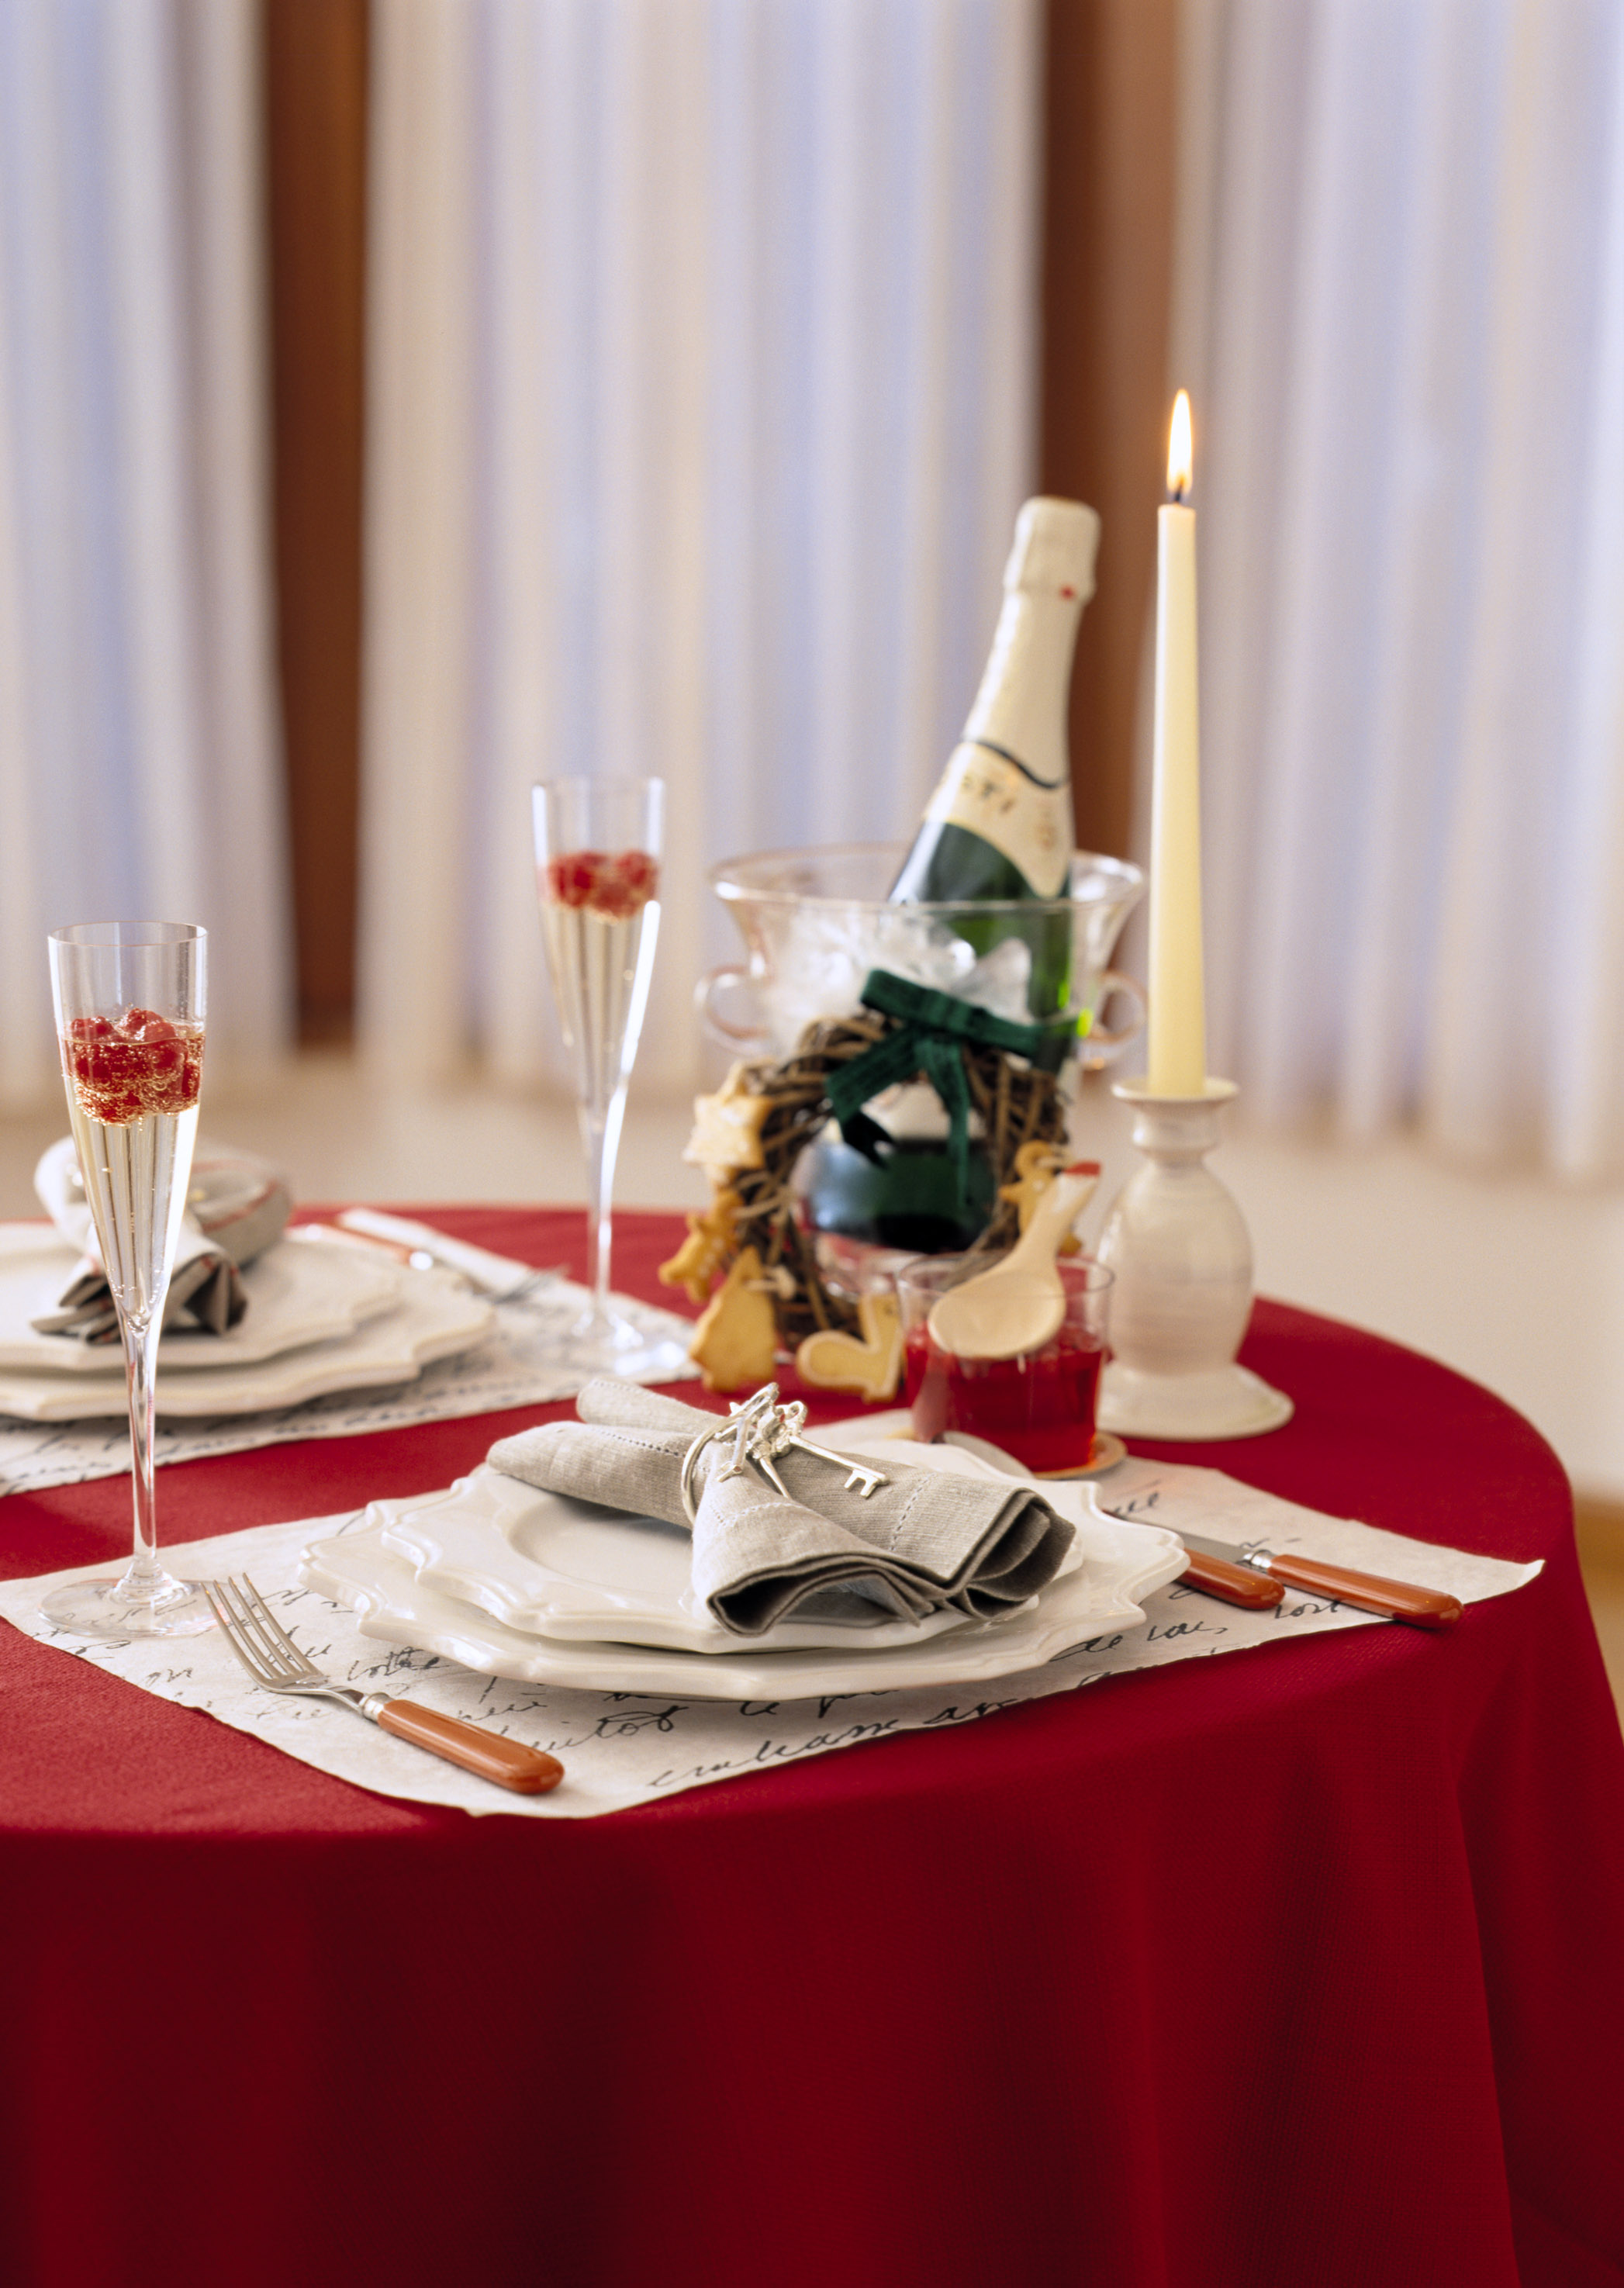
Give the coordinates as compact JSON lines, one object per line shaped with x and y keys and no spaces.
{"x":999,"y":825}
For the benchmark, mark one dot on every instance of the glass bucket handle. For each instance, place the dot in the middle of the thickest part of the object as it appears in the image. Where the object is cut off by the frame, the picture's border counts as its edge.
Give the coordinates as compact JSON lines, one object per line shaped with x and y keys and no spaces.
{"x":751,"y":1040}
{"x":1103,"y":1044}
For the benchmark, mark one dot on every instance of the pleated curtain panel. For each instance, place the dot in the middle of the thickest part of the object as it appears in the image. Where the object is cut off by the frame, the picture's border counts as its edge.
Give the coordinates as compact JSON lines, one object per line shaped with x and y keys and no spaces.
{"x":701,"y":403}
{"x":701,"y":410}
{"x":1401,"y":307}
{"x":139,"y":764}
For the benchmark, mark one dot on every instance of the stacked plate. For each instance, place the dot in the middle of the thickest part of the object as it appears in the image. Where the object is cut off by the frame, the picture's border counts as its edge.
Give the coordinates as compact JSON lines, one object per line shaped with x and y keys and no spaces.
{"x":503,"y":1579}
{"x":321,"y":1317}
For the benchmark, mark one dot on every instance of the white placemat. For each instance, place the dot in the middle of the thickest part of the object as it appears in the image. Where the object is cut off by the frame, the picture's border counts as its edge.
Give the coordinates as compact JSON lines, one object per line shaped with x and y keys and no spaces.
{"x":512,"y":1366}
{"x":627,"y":1748}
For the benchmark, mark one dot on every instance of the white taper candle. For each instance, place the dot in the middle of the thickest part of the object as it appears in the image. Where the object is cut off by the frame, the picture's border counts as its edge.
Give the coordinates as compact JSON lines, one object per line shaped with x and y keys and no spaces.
{"x":1177,"y":1021}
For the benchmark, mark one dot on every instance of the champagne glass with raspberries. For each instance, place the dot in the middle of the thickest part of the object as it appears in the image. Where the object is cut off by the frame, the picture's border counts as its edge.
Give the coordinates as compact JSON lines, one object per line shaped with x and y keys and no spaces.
{"x":598,"y":871}
{"x":130,"y":1005}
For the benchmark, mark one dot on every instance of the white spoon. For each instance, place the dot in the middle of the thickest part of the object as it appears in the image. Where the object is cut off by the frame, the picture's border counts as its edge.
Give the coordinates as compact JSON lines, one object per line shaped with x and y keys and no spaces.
{"x":1019,"y":1305}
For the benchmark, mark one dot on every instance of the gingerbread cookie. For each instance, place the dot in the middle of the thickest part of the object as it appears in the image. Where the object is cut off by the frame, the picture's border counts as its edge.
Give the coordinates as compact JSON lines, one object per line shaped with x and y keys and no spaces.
{"x":735,"y":1344}
{"x":870,"y":1366}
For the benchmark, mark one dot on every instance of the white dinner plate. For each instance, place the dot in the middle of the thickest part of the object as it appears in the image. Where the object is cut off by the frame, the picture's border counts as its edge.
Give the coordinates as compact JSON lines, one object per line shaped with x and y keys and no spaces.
{"x":298,"y":1292}
{"x":432,"y":1318}
{"x":547,"y":1566}
{"x":1121,"y":1563}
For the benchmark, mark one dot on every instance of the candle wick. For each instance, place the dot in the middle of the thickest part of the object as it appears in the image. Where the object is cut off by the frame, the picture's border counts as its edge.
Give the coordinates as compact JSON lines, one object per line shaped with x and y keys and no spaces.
{"x":1177,"y":495}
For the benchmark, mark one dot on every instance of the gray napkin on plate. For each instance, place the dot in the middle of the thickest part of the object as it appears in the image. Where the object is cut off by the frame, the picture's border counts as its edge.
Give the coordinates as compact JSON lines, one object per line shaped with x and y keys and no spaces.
{"x":237,"y":1205}
{"x":922,"y":1541}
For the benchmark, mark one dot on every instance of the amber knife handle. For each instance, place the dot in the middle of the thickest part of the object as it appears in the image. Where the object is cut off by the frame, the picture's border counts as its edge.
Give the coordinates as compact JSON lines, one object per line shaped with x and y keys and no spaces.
{"x":1237,"y":1584}
{"x":527,"y":1771}
{"x":1398,"y":1601}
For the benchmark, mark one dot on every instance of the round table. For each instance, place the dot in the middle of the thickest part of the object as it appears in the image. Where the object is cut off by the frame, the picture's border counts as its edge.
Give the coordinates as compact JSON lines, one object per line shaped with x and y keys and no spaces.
{"x":1300,"y":1966}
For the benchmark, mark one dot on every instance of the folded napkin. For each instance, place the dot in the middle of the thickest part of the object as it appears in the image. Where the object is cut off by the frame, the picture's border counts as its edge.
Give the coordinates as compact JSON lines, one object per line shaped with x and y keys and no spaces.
{"x":236,"y":1206}
{"x":922,"y":1541}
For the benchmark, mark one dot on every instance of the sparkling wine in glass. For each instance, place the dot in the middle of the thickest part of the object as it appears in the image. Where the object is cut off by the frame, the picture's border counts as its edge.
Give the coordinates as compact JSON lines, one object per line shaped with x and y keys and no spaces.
{"x":129,"y":1007}
{"x":598,"y":871}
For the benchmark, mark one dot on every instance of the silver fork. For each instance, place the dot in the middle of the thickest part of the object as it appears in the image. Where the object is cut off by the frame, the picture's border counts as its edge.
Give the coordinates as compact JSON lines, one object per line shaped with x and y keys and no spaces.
{"x":275,"y":1661}
{"x":535,"y":1284}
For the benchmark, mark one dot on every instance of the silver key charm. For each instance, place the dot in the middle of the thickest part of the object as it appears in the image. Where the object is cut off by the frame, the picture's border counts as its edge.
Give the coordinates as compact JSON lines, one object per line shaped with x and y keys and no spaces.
{"x":860,"y":1474}
{"x":761,"y":1429}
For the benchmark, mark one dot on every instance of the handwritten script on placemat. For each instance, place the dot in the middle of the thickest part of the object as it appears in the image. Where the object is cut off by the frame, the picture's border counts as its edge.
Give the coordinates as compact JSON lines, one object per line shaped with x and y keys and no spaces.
{"x":625,"y":1748}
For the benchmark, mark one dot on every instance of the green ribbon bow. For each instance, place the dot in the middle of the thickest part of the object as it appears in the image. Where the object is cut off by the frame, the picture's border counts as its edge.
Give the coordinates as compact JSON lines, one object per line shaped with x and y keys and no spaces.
{"x":931,"y":1030}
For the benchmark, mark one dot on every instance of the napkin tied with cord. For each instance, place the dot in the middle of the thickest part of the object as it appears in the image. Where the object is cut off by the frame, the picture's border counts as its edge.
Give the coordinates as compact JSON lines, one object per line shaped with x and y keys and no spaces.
{"x":918,"y":1543}
{"x":237,"y":1205}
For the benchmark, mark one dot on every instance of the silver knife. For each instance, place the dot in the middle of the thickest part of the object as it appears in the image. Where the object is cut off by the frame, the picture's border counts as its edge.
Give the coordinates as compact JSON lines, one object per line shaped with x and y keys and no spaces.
{"x":498,"y":1277}
{"x":1397,"y":1600}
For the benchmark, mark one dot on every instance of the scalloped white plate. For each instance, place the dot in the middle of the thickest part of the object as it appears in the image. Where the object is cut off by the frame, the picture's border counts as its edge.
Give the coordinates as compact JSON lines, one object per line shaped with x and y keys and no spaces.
{"x":1121,"y":1563}
{"x":547,"y":1566}
{"x":432,"y":1319}
{"x":297,"y":1291}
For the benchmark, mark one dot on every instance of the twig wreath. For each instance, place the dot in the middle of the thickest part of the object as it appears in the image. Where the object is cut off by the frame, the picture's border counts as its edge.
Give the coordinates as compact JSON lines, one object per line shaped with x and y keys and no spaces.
{"x":751,"y":1134}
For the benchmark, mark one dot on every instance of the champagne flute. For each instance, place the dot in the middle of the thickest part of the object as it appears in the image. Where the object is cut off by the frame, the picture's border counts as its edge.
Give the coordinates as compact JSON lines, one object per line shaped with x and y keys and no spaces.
{"x":598,"y":872}
{"x":130,"y":1005}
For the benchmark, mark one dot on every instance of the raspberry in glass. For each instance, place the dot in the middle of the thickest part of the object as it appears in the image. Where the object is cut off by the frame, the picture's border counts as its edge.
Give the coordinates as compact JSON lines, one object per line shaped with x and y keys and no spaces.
{"x":614,"y":884}
{"x":135,"y":1064}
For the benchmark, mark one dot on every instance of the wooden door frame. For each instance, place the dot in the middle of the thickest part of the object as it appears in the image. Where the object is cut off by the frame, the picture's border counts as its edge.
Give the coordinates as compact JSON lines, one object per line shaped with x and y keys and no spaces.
{"x":314,"y":56}
{"x":1109,"y":117}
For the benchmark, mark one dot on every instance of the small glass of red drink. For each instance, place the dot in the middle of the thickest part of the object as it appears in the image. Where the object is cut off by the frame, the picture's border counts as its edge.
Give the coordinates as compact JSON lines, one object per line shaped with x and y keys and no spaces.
{"x":1039,"y":1405}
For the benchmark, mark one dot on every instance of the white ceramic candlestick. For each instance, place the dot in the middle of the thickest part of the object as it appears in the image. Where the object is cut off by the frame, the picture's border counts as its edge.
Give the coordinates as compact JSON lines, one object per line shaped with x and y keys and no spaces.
{"x":1177,"y":1243}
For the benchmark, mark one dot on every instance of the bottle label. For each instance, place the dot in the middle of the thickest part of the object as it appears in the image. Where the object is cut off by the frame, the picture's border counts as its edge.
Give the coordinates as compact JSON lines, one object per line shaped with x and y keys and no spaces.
{"x":1028,"y":822}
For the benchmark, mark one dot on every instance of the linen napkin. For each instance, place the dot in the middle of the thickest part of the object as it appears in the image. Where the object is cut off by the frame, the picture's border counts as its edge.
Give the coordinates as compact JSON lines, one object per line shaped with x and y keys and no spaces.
{"x":920,"y":1542}
{"x":237,"y":1205}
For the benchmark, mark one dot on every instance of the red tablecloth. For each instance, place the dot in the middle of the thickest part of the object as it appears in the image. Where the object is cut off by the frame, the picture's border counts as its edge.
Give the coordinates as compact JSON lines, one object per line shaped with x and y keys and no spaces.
{"x":1297,"y":1967}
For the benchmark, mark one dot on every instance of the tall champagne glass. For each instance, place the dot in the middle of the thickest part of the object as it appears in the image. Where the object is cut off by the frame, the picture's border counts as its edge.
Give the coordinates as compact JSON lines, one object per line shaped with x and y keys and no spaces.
{"x":598,"y":871}
{"x":130,"y":1005}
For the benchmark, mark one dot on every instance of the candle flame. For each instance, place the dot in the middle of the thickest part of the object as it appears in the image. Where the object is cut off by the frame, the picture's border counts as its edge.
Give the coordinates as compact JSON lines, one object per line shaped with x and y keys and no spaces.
{"x":1181,"y":453}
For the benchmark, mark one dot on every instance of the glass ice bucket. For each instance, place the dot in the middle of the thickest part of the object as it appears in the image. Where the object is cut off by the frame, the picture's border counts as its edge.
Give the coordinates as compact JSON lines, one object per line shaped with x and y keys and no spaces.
{"x":815,"y":922}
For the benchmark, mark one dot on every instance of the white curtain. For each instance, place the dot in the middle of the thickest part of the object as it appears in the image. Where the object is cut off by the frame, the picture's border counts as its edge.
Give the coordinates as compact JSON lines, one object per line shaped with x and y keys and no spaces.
{"x":700,"y":409}
{"x":1401,"y":310}
{"x":139,"y":772}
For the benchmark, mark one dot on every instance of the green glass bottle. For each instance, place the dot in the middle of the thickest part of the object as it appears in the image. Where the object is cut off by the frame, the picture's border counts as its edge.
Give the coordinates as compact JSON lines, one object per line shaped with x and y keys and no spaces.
{"x":999,"y":825}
